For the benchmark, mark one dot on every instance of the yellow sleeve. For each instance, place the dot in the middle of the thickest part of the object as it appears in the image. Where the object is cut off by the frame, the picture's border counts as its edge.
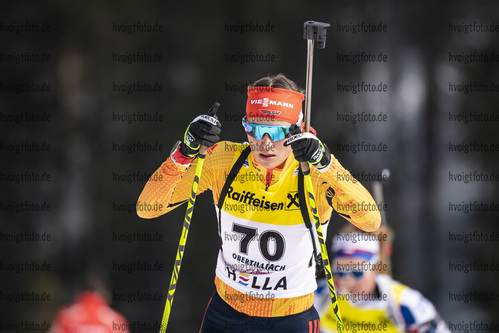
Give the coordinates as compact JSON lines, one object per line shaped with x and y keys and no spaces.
{"x":171,"y":184}
{"x":350,"y":198}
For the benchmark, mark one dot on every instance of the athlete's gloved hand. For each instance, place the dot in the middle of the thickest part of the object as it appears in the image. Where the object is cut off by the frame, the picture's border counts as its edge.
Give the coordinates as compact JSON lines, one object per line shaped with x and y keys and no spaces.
{"x":308,"y":148}
{"x":203,"y":130}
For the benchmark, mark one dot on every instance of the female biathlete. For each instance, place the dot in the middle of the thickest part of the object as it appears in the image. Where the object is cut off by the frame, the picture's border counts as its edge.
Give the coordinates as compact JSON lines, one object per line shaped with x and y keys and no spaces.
{"x":266,"y":266}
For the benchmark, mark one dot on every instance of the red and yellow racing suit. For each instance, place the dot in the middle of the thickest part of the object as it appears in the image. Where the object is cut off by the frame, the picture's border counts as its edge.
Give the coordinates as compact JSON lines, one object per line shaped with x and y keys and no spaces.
{"x":265,"y":266}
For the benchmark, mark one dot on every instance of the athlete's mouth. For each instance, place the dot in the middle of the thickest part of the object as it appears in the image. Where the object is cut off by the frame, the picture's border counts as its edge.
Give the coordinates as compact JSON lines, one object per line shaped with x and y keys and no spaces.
{"x":266,"y":156}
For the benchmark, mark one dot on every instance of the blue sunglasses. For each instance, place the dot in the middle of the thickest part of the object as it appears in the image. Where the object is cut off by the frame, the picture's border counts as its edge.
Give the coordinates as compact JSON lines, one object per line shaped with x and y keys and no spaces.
{"x":258,"y":131}
{"x":342,"y":274}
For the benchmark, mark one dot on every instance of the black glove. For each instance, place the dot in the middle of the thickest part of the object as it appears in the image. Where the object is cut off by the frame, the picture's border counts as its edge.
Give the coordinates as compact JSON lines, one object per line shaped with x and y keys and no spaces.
{"x":308,"y":148}
{"x":203,"y":130}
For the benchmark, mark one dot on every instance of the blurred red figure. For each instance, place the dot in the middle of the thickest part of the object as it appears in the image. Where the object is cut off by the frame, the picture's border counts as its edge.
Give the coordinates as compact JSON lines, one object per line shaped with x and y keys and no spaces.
{"x":90,"y":313}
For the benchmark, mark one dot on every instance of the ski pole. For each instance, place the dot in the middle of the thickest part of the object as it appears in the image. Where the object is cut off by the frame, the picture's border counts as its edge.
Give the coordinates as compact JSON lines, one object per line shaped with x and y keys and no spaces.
{"x":379,"y":198}
{"x":185,"y":229}
{"x":316,"y":31}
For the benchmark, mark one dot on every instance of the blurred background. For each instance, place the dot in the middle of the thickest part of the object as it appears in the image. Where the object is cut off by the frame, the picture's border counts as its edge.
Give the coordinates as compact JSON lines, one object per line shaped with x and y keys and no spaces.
{"x":68,"y":70}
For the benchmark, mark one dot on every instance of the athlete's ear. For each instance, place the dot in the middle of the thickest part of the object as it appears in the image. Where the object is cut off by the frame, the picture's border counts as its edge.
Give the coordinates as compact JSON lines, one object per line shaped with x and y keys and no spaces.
{"x":294,"y":129}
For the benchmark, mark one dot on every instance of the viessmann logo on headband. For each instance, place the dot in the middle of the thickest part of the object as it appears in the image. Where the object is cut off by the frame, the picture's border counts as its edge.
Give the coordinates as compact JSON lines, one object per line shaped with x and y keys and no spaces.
{"x":282,"y":104}
{"x":265,"y":102}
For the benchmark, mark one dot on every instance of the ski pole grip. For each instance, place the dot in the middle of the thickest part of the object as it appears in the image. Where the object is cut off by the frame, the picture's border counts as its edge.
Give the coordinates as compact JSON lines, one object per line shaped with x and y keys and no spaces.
{"x":211,"y":112}
{"x":316,"y":31}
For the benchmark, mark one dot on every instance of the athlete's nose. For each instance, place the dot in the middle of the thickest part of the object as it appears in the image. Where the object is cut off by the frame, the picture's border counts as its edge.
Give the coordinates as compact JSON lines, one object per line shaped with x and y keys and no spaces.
{"x":348,"y":282}
{"x":267,"y":143}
